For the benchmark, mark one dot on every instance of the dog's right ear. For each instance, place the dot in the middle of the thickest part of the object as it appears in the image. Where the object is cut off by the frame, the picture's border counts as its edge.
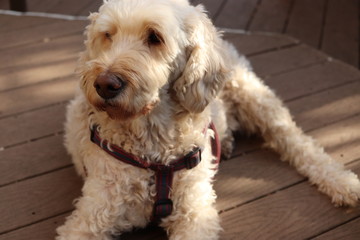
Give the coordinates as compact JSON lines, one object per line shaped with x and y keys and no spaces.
{"x":205,"y":71}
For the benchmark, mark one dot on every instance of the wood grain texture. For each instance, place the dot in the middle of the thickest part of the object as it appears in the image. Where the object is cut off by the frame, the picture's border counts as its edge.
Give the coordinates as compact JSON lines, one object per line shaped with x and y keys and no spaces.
{"x":257,"y":43}
{"x":32,"y":125}
{"x":236,"y":14}
{"x":326,"y":107}
{"x":40,"y":33}
{"x":33,"y":158}
{"x":39,"y":62}
{"x":271,"y":16}
{"x":251,"y":176}
{"x":211,"y":6}
{"x":341,"y":33}
{"x":285,"y":214}
{"x":77,"y":7}
{"x":309,"y":80}
{"x":40,"y":53}
{"x":61,"y":6}
{"x":4,"y":4}
{"x":35,"y":199}
{"x":43,"y":230}
{"x":37,"y":96}
{"x":348,"y":231}
{"x":92,"y":6}
{"x":287,"y":59}
{"x":15,"y":24}
{"x":305,"y":21}
{"x":341,"y":140}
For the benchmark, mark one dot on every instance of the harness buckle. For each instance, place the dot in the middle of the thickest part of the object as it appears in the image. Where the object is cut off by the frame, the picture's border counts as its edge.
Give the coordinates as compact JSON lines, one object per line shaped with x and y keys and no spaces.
{"x":193,"y":158}
{"x":163,"y":208}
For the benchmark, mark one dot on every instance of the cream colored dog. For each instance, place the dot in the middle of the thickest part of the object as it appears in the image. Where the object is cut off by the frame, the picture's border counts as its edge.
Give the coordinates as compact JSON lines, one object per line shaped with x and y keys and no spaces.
{"x":155,"y":73}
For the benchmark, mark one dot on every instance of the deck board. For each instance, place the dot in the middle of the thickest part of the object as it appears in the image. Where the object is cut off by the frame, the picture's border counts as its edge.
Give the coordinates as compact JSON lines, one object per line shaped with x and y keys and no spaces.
{"x":40,"y":53}
{"x":4,"y":4}
{"x":341,"y":33}
{"x":236,"y":14}
{"x":37,"y":96}
{"x":285,"y":214}
{"x":39,"y":231}
{"x":326,"y":107}
{"x":47,"y":154}
{"x":305,"y":21}
{"x":40,"y":33}
{"x":256,"y":43}
{"x":348,"y":231}
{"x":35,"y":63}
{"x":62,"y":6}
{"x":212,"y":6}
{"x":259,"y":196}
{"x":341,"y":139}
{"x":316,"y":77}
{"x":268,"y":20}
{"x":93,"y":6}
{"x":76,"y":6}
{"x":14,"y":24}
{"x":284,"y":60}
{"x":32,"y":125}
{"x":322,"y":24}
{"x":38,"y":198}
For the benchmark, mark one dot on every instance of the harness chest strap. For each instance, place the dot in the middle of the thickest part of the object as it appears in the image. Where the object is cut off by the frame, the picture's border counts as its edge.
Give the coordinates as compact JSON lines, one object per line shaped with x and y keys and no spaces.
{"x":164,"y":173}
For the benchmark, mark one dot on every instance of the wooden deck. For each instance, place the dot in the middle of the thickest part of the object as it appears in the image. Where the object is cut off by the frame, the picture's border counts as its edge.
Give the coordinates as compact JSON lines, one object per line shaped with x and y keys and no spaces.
{"x":329,"y":25}
{"x":259,"y":197}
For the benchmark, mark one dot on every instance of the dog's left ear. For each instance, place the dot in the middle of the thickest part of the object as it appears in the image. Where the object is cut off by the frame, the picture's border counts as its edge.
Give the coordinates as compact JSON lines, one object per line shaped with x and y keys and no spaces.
{"x":204,"y":72}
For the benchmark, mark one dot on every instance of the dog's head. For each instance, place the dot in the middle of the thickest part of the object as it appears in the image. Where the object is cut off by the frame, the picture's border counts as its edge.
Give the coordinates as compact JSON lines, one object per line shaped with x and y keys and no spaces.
{"x":138,"y":50}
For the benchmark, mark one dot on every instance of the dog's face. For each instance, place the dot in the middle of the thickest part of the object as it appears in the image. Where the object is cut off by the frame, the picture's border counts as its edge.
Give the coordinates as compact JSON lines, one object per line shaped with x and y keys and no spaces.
{"x":137,"y":50}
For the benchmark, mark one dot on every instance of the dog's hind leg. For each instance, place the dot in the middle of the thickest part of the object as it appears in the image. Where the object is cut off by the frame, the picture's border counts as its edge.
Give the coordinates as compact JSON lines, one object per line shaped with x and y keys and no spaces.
{"x":256,"y":108}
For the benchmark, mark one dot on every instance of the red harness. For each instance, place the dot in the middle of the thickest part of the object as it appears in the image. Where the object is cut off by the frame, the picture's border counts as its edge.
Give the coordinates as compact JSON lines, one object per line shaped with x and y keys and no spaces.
{"x":164,"y":173}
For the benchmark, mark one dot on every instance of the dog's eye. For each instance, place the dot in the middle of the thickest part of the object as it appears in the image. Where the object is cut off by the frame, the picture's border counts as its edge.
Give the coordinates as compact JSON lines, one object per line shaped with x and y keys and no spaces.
{"x":154,"y":38}
{"x":107,"y":35}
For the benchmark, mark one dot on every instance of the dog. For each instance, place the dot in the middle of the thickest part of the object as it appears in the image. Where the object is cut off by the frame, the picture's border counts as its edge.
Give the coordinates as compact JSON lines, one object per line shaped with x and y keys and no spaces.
{"x":154,"y":76}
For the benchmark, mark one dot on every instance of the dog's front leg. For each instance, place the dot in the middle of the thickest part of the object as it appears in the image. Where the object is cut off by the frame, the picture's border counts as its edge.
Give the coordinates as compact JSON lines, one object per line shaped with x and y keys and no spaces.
{"x":260,"y":110}
{"x":201,"y":225}
{"x":95,"y":214}
{"x":194,"y":216}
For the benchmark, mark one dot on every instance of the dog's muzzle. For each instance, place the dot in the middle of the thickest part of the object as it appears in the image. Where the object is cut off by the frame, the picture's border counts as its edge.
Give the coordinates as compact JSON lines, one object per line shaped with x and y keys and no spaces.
{"x":108,"y":85}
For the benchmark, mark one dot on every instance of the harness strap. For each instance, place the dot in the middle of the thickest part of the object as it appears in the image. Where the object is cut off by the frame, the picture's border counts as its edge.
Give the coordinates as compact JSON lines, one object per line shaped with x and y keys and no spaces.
{"x":116,"y":151}
{"x":164,"y":173}
{"x":163,"y":205}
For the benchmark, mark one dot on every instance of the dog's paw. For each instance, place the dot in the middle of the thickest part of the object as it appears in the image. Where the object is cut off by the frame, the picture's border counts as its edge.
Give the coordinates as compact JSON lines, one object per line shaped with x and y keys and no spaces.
{"x":227,"y":147}
{"x":344,"y":190}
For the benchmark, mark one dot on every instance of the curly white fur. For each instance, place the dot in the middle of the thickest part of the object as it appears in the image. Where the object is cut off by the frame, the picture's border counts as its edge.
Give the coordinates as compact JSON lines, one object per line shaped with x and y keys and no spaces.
{"x":175,"y":87}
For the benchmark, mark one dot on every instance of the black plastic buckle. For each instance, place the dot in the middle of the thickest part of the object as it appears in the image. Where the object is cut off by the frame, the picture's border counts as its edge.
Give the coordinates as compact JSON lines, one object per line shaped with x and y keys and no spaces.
{"x":163,"y":208}
{"x":193,"y":158}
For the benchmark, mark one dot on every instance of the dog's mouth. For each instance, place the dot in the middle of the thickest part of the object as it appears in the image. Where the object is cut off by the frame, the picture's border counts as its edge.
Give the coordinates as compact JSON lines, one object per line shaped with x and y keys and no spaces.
{"x":119,"y":112}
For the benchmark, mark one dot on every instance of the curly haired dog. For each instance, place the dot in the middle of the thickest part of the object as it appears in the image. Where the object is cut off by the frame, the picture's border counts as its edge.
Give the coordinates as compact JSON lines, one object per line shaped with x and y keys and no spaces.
{"x":154,"y":75}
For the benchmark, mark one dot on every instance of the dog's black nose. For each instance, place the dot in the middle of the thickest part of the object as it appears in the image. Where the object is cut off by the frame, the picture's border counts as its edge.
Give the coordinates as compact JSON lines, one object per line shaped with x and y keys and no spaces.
{"x":108,"y":85}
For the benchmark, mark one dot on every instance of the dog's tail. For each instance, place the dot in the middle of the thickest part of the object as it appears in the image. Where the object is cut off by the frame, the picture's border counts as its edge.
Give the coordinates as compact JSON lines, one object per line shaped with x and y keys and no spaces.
{"x":254,"y":107}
